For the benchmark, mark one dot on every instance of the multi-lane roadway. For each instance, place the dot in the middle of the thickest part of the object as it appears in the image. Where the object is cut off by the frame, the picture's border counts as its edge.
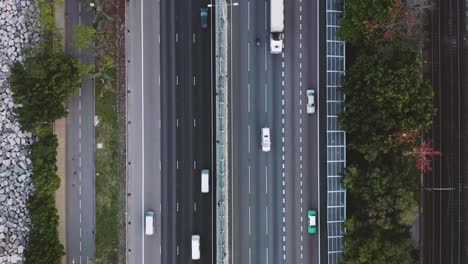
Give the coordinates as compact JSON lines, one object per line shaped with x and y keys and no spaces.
{"x":169,"y":131}
{"x":272,"y":191}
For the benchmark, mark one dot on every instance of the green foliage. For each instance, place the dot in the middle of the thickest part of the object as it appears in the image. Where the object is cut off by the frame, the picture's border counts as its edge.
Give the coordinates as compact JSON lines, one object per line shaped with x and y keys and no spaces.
{"x":43,"y":154}
{"x":382,"y":190}
{"x":42,"y":83}
{"x":106,"y":73}
{"x":387,"y":105}
{"x":83,"y":36}
{"x":381,"y":95}
{"x":365,"y":22}
{"x":356,"y":20}
{"x":46,"y":14}
{"x":43,"y":243}
{"x":372,"y":244}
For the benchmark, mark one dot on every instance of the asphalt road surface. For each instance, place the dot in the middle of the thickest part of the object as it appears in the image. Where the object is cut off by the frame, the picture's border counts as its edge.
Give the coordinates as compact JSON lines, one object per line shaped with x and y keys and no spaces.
{"x":169,"y":131}
{"x":80,"y":149}
{"x":272,"y":191}
{"x":194,"y":127}
{"x":444,"y":197}
{"x":144,"y":131}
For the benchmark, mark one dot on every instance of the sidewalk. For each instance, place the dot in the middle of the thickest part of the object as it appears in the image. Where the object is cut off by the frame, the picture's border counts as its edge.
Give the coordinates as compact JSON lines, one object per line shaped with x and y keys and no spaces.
{"x":60,"y":131}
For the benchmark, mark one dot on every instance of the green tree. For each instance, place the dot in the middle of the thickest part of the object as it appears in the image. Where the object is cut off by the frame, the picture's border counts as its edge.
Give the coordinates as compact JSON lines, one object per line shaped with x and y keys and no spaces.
{"x":83,"y":36}
{"x":382,"y":192}
{"x":105,"y":73}
{"x":382,"y":94}
{"x":41,"y":84}
{"x":365,"y":22}
{"x":371,"y":244}
{"x":43,"y":243}
{"x":43,"y":153}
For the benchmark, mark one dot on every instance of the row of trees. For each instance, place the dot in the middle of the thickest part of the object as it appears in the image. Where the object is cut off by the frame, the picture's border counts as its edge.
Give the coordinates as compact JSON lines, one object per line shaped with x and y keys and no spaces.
{"x":41,"y":84}
{"x":387,"y":107}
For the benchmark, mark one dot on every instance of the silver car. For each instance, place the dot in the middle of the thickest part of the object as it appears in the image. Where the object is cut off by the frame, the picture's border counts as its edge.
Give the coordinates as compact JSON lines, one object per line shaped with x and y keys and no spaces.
{"x":310,"y":101}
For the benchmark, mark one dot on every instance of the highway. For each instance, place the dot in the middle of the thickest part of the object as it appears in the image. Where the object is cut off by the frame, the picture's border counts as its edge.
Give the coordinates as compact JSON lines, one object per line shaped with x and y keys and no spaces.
{"x":170,"y":128}
{"x":272,"y":191}
{"x":80,"y":148}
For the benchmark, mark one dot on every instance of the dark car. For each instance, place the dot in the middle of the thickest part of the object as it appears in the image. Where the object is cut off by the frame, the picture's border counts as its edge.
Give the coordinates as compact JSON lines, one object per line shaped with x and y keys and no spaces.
{"x":204,"y":17}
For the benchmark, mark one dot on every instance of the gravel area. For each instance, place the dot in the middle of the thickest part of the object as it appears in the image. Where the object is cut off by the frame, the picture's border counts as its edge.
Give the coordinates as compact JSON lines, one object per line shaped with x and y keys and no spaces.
{"x":16,"y":33}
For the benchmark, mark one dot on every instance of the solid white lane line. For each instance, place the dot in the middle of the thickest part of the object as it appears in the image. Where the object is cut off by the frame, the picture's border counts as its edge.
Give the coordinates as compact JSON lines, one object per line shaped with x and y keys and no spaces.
{"x":318,"y":127}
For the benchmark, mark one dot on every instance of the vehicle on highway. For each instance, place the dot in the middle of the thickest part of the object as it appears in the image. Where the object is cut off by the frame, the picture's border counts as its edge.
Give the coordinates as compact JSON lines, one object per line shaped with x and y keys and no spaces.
{"x":311,"y":214}
{"x":310,"y":101}
{"x":204,"y":17}
{"x":149,"y":222}
{"x":205,"y":181}
{"x":276,"y":26}
{"x":266,"y":143}
{"x":195,"y":247}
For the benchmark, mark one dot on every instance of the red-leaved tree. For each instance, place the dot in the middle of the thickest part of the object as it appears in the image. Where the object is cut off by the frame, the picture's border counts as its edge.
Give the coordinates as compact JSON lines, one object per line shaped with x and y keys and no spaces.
{"x":423,"y":155}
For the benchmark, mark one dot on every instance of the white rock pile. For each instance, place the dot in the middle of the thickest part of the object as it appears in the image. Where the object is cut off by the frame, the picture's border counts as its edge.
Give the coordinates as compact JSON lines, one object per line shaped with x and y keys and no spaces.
{"x":15,"y":166}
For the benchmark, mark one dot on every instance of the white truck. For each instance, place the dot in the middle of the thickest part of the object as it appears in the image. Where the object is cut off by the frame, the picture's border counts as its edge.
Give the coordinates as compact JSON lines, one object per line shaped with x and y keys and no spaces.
{"x":276,"y":26}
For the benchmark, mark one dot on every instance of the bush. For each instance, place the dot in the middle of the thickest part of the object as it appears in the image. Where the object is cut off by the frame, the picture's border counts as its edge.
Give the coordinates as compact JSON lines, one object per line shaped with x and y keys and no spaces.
{"x":41,"y":84}
{"x":43,"y":243}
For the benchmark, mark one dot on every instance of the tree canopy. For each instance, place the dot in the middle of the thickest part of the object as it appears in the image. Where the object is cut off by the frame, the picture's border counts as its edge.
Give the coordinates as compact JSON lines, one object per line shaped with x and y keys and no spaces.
{"x":41,"y":84}
{"x":82,"y":36}
{"x":381,"y":96}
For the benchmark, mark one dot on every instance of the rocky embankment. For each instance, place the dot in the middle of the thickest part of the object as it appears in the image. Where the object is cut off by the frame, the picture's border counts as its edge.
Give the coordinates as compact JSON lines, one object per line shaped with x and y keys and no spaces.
{"x":16,"y":32}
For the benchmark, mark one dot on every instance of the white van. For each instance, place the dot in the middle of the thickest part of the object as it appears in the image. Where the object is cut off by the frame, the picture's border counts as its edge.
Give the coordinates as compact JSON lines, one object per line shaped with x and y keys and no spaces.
{"x":266,"y":143}
{"x":149,"y":222}
{"x":205,"y":181}
{"x":195,"y":247}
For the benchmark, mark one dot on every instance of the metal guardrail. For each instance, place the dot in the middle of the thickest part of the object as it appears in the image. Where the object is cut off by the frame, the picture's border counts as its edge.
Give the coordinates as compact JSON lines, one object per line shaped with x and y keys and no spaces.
{"x":336,"y":137}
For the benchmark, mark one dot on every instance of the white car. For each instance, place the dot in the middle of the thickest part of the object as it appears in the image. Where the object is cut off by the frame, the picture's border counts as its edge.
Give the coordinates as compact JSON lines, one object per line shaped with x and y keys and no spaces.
{"x":266,"y":143}
{"x":149,"y":223}
{"x":310,"y":101}
{"x":195,"y":247}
